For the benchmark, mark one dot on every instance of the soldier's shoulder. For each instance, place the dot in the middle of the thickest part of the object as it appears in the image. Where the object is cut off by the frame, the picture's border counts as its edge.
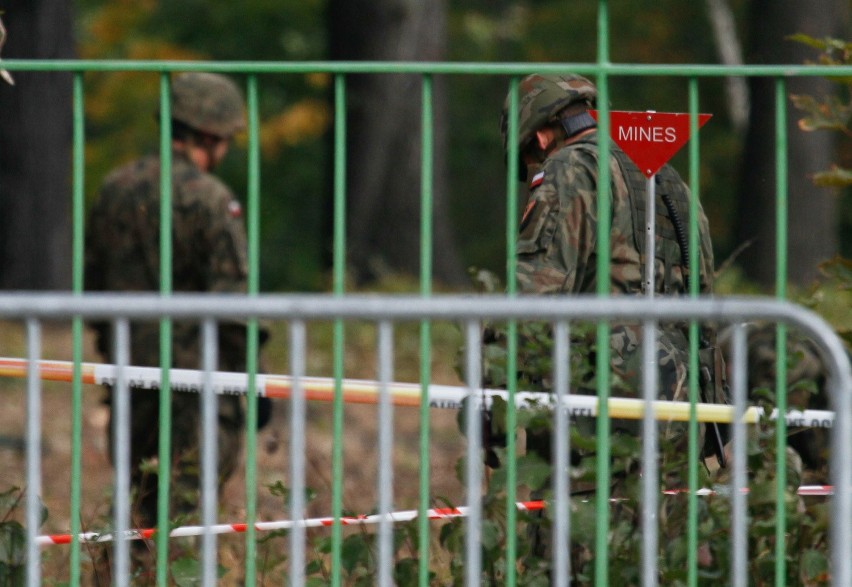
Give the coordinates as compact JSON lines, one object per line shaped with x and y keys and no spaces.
{"x":584,"y":151}
{"x":567,"y":171}
{"x":197,"y":186}
{"x":140,"y":169}
{"x":129,"y":184}
{"x":568,"y":161}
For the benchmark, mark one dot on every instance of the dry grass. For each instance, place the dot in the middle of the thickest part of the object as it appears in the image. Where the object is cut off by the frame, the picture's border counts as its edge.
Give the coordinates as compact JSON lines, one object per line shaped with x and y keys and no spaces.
{"x":359,"y":442}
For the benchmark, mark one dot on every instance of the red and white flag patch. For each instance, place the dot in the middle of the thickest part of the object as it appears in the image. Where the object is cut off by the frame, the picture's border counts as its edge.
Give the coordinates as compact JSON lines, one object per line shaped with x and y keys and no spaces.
{"x":537,"y":179}
{"x":234,"y":209}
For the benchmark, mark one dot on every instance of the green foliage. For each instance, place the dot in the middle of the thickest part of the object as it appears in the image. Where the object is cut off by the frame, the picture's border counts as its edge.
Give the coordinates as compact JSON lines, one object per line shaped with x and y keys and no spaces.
{"x":831,"y":113}
{"x":806,"y":538}
{"x":13,"y":537}
{"x":187,"y":572}
{"x":12,"y":540}
{"x":831,"y":297}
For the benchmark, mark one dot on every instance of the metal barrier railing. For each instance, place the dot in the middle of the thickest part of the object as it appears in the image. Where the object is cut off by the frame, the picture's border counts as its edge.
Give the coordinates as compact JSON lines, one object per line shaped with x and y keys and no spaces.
{"x":386,"y":312}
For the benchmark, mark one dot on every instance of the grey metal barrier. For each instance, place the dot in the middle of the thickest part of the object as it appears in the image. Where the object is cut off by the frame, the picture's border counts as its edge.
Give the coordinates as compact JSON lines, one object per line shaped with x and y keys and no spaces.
{"x":385,"y":312}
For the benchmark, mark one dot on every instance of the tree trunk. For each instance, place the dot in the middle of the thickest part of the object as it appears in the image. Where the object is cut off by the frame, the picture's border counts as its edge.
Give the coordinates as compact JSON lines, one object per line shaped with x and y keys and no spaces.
{"x":384,"y":136}
{"x":35,"y":149}
{"x":729,"y":48}
{"x":812,"y":211}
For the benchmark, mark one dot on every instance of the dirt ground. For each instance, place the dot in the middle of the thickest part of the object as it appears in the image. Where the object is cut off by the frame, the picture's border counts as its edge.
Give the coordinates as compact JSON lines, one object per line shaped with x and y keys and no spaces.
{"x":359,"y":447}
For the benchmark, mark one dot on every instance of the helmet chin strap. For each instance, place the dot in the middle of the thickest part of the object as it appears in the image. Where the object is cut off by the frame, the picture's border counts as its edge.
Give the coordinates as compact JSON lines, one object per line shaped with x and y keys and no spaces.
{"x":577,"y":123}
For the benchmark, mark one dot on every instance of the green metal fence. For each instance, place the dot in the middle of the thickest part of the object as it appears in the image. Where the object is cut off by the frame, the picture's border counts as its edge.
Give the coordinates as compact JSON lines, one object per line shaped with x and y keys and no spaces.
{"x":601,"y":71}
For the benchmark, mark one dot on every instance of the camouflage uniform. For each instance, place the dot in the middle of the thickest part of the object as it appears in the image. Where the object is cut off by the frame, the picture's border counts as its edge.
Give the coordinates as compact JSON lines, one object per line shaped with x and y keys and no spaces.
{"x":208,"y":255}
{"x":557,"y":252}
{"x":557,"y":255}
{"x":558,"y":239}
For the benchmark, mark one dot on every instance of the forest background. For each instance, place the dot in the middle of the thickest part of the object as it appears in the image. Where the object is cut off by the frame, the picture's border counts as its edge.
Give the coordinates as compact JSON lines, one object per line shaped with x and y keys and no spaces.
{"x":383,"y":184}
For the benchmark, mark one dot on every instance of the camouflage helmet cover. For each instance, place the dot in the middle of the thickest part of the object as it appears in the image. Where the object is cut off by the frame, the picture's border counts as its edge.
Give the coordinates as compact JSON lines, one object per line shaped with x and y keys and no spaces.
{"x":541,"y":97}
{"x":208,"y":102}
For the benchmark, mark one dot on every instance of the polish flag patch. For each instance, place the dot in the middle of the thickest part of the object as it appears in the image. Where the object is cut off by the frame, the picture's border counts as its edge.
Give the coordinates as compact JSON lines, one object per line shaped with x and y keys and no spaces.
{"x":537,"y":179}
{"x":234,"y":209}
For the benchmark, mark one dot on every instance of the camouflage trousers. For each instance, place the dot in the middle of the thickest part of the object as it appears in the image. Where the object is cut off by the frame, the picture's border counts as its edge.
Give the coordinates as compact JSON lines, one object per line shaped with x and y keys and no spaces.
{"x":185,"y":450}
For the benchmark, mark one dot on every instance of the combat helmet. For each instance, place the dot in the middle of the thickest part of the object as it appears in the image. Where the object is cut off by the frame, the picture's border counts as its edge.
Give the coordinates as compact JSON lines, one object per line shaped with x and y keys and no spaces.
{"x":541,"y":97}
{"x":208,"y":102}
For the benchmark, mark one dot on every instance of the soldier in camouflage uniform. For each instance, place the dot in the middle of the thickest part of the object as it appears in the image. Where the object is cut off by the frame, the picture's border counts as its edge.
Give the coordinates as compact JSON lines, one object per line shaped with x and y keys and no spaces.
{"x":558,"y":150}
{"x":556,"y":255}
{"x":208,"y":255}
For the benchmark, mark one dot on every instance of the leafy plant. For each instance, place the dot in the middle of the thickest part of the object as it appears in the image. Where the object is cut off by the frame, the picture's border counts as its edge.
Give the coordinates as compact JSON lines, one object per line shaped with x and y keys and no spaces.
{"x":806,"y":557}
{"x":12,"y":539}
{"x":186,"y":571}
{"x":833,"y":112}
{"x":358,"y":557}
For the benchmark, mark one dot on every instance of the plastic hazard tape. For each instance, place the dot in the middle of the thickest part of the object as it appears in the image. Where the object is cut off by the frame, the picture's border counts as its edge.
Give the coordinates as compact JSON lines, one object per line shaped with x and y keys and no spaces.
{"x":360,"y":520}
{"x":401,"y":394}
{"x":803,"y":490}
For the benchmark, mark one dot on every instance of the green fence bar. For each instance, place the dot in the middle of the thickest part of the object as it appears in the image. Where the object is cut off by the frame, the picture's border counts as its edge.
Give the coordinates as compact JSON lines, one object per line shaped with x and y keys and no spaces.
{"x":694,"y":287}
{"x":512,"y":164}
{"x":603,"y":285}
{"x":426,"y":207}
{"x":77,"y":253}
{"x":781,"y":333}
{"x":436,"y":67}
{"x":252,"y":347}
{"x":165,"y":331}
{"x":339,"y":287}
{"x":511,"y":336}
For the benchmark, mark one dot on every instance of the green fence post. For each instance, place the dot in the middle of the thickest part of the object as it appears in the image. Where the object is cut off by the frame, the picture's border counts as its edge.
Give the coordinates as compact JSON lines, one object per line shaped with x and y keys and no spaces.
{"x":694,"y":288}
{"x":252,"y":350}
{"x":511,"y":335}
{"x":781,"y":335}
{"x":339,"y":286}
{"x":165,"y":414}
{"x":426,"y":157}
{"x":603,"y":286}
{"x":77,"y":246}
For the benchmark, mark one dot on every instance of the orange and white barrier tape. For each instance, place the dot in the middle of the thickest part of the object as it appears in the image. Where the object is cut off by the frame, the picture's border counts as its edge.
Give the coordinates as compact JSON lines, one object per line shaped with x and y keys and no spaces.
{"x":402,"y":394}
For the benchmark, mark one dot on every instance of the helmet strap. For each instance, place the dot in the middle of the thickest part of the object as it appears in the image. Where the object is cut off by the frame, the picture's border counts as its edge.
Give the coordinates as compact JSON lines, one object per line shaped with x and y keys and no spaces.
{"x":577,"y":123}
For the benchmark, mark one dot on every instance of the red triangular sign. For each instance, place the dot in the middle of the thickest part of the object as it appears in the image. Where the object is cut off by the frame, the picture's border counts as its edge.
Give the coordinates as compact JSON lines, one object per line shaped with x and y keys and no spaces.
{"x":650,"y":138}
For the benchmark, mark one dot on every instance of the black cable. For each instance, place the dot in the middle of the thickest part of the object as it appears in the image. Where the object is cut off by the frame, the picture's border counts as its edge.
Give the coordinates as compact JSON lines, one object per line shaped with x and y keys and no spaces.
{"x":680,"y":233}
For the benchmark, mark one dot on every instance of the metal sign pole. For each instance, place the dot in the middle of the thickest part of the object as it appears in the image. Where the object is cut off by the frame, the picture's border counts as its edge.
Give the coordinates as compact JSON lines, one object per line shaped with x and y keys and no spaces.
{"x":650,"y":237}
{"x":650,"y":465}
{"x":650,"y":139}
